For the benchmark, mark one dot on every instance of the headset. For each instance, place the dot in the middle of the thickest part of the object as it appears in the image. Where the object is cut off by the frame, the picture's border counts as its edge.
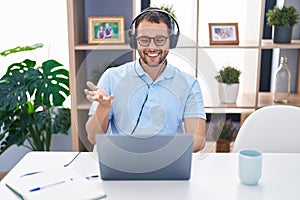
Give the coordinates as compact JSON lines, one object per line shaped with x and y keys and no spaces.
{"x":173,"y":37}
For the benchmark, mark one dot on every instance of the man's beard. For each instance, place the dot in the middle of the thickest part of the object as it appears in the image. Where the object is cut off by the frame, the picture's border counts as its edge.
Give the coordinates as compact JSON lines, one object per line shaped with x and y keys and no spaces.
{"x":151,"y":64}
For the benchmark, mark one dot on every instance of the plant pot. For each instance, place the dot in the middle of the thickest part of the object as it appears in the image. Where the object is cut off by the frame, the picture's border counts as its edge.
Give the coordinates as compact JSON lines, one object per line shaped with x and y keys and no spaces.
{"x":282,"y":34}
{"x":223,"y":146}
{"x":228,"y":92}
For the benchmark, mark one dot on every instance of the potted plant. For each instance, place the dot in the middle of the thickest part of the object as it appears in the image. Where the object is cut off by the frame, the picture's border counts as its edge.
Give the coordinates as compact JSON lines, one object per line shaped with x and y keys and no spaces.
{"x":223,"y":132}
{"x":169,"y":9}
{"x":283,"y":20}
{"x":31,"y":99}
{"x":228,"y":79}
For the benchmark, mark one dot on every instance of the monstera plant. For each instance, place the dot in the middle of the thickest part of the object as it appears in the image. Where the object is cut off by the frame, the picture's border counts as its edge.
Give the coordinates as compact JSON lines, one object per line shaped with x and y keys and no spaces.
{"x":31,"y":102}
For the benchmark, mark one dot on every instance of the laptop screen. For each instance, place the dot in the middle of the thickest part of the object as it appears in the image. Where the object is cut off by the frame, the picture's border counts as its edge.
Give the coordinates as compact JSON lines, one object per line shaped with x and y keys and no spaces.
{"x":160,"y":157}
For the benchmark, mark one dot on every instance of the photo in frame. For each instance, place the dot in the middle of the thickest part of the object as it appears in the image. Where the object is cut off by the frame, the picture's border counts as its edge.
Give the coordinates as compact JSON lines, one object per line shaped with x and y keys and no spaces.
{"x":106,"y":30}
{"x":223,"y":33}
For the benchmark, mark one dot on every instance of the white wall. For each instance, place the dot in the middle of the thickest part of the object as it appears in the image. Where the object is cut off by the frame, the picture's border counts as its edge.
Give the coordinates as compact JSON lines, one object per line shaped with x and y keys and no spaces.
{"x":34,"y":21}
{"x":26,"y":23}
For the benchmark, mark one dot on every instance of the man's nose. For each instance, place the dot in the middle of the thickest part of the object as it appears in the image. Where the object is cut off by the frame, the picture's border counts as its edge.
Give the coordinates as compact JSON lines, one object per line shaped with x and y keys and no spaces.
{"x":152,"y":43}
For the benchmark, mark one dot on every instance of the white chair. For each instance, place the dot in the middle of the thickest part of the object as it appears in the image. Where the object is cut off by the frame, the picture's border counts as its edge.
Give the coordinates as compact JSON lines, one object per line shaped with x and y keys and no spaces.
{"x":273,"y":128}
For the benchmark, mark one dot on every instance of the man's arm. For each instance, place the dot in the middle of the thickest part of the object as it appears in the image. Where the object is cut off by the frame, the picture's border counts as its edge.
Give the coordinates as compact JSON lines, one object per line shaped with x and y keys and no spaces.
{"x":98,"y":122}
{"x":197,"y":127}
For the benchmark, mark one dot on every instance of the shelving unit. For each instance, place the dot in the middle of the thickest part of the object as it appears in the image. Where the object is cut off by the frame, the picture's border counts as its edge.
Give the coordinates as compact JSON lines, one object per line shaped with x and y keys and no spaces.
{"x":248,"y":99}
{"x":83,"y":56}
{"x":198,"y":57}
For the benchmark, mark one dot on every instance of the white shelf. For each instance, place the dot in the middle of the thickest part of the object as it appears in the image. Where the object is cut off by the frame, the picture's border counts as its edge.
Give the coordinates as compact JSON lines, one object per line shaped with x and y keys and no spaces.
{"x":242,"y":44}
{"x":268,"y":44}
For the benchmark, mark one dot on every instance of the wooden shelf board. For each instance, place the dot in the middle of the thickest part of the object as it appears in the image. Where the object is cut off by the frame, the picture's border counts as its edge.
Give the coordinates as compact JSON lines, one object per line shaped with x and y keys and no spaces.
{"x":102,"y":47}
{"x":229,"y":110}
{"x":268,"y":44}
{"x":244,"y":101}
{"x":266,"y":98}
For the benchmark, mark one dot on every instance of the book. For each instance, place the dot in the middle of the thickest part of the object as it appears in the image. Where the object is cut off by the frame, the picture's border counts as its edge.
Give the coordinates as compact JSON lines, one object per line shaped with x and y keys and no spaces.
{"x":55,"y":184}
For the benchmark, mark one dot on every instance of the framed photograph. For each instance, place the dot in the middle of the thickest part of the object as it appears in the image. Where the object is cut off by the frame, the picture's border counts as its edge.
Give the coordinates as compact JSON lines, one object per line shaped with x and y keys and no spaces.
{"x":106,"y":30}
{"x":223,"y":33}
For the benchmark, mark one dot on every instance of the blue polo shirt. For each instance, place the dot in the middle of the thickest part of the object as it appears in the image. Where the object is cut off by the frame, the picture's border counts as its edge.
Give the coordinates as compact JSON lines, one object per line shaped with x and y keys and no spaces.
{"x":173,"y":97}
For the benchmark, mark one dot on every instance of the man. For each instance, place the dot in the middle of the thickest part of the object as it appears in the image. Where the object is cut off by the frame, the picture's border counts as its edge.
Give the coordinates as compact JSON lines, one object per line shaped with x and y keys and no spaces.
{"x":149,"y":95}
{"x":108,"y":31}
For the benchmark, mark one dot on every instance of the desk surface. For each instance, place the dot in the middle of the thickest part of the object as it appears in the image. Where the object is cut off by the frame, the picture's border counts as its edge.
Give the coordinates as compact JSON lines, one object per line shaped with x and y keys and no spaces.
{"x":214,"y":176}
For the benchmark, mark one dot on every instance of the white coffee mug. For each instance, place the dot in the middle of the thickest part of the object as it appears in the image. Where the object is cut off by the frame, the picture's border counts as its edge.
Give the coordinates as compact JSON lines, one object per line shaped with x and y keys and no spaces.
{"x":250,"y":166}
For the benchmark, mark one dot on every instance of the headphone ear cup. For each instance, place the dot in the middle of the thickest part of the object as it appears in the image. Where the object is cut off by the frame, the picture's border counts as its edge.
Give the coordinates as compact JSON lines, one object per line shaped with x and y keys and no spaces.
{"x":132,"y":40}
{"x":173,"y":40}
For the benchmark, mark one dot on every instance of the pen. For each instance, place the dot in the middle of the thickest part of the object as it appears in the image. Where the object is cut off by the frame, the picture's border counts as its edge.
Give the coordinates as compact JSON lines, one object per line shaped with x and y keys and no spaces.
{"x":31,"y":173}
{"x":92,"y":177}
{"x":43,"y":187}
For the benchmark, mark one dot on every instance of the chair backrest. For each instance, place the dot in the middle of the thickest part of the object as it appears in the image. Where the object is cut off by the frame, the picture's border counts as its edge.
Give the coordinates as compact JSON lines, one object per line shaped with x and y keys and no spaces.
{"x":273,"y":128}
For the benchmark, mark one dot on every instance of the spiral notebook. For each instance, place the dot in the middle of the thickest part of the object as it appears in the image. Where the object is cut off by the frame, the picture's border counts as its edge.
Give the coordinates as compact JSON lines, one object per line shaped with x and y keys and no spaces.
{"x":55,"y":184}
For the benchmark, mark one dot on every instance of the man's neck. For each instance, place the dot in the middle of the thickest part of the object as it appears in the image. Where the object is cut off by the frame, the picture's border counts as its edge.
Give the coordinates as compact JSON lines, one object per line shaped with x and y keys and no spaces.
{"x":154,"y":72}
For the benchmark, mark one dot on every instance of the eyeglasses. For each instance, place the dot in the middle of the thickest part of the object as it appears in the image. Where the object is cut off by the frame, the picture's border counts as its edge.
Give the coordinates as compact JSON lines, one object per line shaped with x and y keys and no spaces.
{"x":159,"y":40}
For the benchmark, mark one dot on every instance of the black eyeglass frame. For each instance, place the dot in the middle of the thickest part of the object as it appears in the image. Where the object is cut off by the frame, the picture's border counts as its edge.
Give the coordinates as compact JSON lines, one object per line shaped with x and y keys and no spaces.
{"x":154,"y":40}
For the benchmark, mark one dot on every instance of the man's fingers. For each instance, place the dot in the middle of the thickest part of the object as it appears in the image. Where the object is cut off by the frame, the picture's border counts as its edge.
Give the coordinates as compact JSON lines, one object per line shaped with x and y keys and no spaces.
{"x":97,"y":94}
{"x":91,"y":85}
{"x":87,"y":92}
{"x":106,"y":97}
{"x":103,"y":98}
{"x":96,"y":88}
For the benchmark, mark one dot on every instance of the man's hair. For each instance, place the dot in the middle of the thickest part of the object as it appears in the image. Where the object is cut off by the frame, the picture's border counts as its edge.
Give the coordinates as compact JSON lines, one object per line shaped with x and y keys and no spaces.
{"x":154,"y":15}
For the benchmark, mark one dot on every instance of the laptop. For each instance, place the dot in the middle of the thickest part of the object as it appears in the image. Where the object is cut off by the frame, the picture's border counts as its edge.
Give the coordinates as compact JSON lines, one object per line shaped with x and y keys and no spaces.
{"x":159,"y":157}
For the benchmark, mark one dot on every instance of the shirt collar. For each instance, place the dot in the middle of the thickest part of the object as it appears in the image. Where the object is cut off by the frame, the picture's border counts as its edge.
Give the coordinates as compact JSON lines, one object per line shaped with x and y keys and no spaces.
{"x":138,"y":68}
{"x":169,"y":71}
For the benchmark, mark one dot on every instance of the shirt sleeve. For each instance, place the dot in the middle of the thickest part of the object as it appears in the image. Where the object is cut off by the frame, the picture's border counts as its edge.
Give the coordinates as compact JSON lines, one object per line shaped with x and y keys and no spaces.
{"x":194,"y":107}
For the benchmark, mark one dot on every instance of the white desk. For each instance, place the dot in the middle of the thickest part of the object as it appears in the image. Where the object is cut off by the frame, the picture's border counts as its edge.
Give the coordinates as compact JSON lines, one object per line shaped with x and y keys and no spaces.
{"x":214,"y":176}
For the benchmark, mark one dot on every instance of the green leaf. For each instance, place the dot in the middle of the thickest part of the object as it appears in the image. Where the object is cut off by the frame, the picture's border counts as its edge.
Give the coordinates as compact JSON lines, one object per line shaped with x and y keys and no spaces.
{"x":14,"y":127}
{"x":20,"y":49}
{"x":61,"y":119}
{"x":285,"y":16}
{"x":22,"y":67}
{"x":228,"y":75}
{"x":50,"y":83}
{"x":12,"y":86}
{"x":52,"y":120}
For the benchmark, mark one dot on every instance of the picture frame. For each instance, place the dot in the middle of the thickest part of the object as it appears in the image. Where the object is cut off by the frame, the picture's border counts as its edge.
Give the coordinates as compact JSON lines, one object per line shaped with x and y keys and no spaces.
{"x":106,"y":30}
{"x":223,"y":33}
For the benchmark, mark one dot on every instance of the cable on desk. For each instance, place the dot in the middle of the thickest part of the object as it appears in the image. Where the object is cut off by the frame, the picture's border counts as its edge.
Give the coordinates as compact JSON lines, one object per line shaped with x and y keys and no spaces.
{"x":66,"y":165}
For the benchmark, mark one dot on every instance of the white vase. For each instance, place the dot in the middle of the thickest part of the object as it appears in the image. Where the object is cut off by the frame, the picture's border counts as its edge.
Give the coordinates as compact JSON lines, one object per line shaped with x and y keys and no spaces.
{"x":228,"y":92}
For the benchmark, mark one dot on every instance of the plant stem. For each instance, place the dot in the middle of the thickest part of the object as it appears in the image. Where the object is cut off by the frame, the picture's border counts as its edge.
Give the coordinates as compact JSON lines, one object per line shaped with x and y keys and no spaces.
{"x":48,"y":140}
{"x":34,"y":132}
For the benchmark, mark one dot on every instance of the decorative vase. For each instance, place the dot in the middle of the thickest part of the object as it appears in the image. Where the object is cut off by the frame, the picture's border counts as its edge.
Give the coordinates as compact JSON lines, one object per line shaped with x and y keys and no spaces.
{"x":228,"y":92}
{"x":223,"y":146}
{"x":282,"y":34}
{"x":282,"y":82}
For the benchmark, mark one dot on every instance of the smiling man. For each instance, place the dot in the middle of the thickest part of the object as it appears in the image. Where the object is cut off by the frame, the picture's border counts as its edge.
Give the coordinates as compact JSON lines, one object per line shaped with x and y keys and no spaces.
{"x":148,"y":96}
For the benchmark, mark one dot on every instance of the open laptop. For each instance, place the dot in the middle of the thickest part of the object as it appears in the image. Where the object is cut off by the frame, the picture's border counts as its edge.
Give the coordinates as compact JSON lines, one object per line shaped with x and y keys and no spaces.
{"x":158,"y":157}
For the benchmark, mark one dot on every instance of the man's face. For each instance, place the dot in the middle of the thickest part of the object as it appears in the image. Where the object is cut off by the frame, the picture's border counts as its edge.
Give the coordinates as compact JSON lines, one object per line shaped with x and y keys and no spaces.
{"x":154,"y":53}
